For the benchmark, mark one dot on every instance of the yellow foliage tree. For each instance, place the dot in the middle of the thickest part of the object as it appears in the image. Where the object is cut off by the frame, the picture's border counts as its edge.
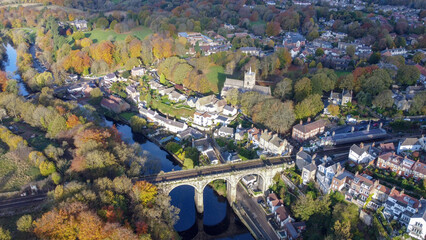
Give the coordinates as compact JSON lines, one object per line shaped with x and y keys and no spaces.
{"x":145,"y":192}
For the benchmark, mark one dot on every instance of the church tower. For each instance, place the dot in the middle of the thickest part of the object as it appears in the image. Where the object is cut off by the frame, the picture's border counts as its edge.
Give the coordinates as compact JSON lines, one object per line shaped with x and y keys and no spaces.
{"x":249,"y":79}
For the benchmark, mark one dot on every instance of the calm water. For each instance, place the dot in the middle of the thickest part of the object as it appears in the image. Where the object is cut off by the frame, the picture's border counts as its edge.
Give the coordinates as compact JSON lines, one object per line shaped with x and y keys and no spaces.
{"x":11,"y":69}
{"x":217,"y":212}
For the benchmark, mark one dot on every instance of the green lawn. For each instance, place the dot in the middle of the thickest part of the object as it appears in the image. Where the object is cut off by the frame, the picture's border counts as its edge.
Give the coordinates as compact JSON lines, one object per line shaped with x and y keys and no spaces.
{"x":127,"y":115}
{"x":172,"y":111}
{"x":216,"y":76}
{"x":259,"y":22}
{"x":342,"y":73}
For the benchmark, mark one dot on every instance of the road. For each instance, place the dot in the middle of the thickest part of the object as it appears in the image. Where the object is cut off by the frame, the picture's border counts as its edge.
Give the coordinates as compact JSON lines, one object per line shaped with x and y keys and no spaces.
{"x":256,"y":214}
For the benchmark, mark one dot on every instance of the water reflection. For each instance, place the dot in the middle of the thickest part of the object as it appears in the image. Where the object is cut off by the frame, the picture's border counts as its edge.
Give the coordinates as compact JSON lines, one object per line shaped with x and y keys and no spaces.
{"x":11,"y":69}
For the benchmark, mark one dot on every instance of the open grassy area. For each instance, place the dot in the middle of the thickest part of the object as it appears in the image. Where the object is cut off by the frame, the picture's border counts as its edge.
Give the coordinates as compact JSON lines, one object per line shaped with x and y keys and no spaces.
{"x":172,"y":111}
{"x":259,"y":22}
{"x":127,"y":115}
{"x":216,"y":76}
{"x":342,"y":73}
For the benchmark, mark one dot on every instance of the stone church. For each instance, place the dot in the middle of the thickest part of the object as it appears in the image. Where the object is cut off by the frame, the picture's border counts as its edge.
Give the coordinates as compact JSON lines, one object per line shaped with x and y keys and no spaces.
{"x":249,"y":84}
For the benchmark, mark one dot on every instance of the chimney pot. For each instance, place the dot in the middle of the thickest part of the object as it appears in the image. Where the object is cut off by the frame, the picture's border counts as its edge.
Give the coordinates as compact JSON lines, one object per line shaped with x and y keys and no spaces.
{"x":333,"y":133}
{"x":309,"y":119}
{"x":301,"y":122}
{"x":361,"y":145}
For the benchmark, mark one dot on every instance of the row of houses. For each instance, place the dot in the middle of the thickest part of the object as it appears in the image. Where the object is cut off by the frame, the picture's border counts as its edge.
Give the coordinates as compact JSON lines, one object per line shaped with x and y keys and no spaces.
{"x":169,"y":124}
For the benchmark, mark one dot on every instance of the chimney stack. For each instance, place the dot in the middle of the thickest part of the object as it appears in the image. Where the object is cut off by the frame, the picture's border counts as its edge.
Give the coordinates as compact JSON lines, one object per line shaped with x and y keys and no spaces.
{"x":301,"y":122}
{"x":368,"y":127}
{"x":361,"y":145}
{"x":353,"y":129}
{"x":314,"y":156}
{"x":380,"y":125}
{"x":333,"y":133}
{"x":309,"y":119}
{"x":300,"y":149}
{"x":374,"y":143}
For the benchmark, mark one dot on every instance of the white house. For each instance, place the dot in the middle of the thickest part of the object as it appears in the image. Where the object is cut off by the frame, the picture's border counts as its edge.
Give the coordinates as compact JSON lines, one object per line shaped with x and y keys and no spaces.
{"x":191,"y":101}
{"x":203,"y":119}
{"x":361,"y":154}
{"x":229,"y":110}
{"x":176,"y":97}
{"x":400,"y":206}
{"x":417,"y":225}
{"x":225,"y":132}
{"x":221,"y":120}
{"x":165,"y":91}
{"x":409,"y":144}
{"x":171,"y":125}
{"x":133,"y":93}
{"x":138,"y":71}
{"x":249,"y":180}
{"x":77,"y":88}
{"x":109,"y":78}
{"x":155,"y":85}
{"x":148,"y":114}
{"x":273,"y":202}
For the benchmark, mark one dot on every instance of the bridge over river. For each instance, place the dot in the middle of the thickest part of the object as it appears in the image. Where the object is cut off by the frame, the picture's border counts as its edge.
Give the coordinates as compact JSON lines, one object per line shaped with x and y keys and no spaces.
{"x":232,"y":173}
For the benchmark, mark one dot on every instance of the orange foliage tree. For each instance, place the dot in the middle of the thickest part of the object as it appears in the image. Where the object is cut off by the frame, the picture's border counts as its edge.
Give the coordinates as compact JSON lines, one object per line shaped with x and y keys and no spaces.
{"x":135,"y":48}
{"x":76,"y":221}
{"x":145,"y":192}
{"x":3,"y":81}
{"x":73,"y":121}
{"x":103,"y":51}
{"x":162,"y":47}
{"x":97,"y":135}
{"x":78,"y":61}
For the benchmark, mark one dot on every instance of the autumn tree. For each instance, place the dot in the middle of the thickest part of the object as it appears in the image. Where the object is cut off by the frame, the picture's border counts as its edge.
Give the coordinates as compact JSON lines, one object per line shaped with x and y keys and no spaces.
{"x":4,"y":234}
{"x":103,"y":51}
{"x":77,"y":61}
{"x":135,"y":48}
{"x":384,"y":99}
{"x":283,"y":89}
{"x":145,"y":192}
{"x":73,"y":121}
{"x":3,"y":81}
{"x":273,"y":28}
{"x":333,"y":110}
{"x":86,"y":42}
{"x":25,"y":223}
{"x":309,"y":107}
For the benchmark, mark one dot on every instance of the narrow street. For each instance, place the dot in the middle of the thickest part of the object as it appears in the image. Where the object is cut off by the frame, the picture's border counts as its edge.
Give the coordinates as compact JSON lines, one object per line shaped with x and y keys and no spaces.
{"x":256,"y":213}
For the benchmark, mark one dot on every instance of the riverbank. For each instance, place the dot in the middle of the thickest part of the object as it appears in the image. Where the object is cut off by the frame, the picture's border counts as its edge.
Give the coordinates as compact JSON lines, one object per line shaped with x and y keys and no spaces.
{"x":124,"y":121}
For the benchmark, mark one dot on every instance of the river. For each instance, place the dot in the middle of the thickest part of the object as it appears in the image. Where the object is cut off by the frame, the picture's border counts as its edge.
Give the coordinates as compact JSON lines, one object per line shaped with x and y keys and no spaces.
{"x":217,"y":212}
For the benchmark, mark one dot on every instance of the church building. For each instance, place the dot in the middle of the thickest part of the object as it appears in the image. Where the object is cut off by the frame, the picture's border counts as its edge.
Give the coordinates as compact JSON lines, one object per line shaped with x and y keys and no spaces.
{"x":249,"y":84}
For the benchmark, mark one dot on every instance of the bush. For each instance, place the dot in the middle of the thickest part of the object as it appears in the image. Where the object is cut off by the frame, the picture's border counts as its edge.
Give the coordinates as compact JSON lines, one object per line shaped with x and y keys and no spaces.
{"x":173,"y":147}
{"x":137,"y":123}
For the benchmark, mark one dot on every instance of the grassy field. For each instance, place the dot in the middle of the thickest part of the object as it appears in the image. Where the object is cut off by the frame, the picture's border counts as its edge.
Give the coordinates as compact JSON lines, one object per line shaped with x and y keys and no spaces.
{"x":127,"y":115}
{"x":172,"y":111}
{"x":342,"y":73}
{"x":216,"y":76}
{"x":16,"y":172}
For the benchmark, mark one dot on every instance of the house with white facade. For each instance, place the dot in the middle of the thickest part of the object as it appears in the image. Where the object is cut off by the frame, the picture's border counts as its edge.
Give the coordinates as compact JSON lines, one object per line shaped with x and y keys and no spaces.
{"x":400,"y":206}
{"x":362,"y":154}
{"x":273,"y":202}
{"x":203,"y":119}
{"x":229,"y":111}
{"x":409,"y":144}
{"x":274,"y":144}
{"x":133,"y":93}
{"x":138,"y":71}
{"x":176,"y":97}
{"x":224,"y":132}
{"x":417,"y":224}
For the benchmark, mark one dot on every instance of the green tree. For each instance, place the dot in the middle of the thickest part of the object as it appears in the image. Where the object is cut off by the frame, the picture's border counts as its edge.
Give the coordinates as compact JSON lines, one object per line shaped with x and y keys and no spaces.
{"x":350,"y":50}
{"x":319,"y":52}
{"x":137,"y":123}
{"x":407,"y":75}
{"x":309,"y":107}
{"x":188,"y":163}
{"x":305,"y":207}
{"x":321,"y":83}
{"x":56,"y":178}
{"x":302,"y":88}
{"x":102,"y":23}
{"x":418,"y":57}
{"x":374,"y":58}
{"x":57,"y":125}
{"x":333,"y":110}
{"x":163,"y":79}
{"x":77,"y":35}
{"x":384,"y":99}
{"x":418,"y":106}
{"x":347,"y":82}
{"x":25,"y":223}
{"x":342,"y":231}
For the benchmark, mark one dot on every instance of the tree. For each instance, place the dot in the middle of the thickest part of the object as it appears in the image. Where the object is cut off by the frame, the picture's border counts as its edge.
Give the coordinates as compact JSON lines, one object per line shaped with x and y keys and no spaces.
{"x":86,"y":42}
{"x":137,"y":123}
{"x":145,"y":192}
{"x":418,"y":106}
{"x":347,"y":82}
{"x":374,"y":58}
{"x":418,"y":57}
{"x":384,"y":99}
{"x":333,"y":110}
{"x":350,"y":50}
{"x":309,"y":107}
{"x":102,"y":23}
{"x":46,"y":168}
{"x":72,"y":121}
{"x":273,"y":28}
{"x":77,"y":35}
{"x":342,"y":231}
{"x":56,"y":177}
{"x":4,"y":234}
{"x":77,"y":61}
{"x":319,"y":52}
{"x":306,"y":206}
{"x":321,"y":83}
{"x":3,"y":81}
{"x":25,"y":223}
{"x":302,"y":88}
{"x":284,"y":57}
{"x":188,"y":163}
{"x":407,"y":75}
{"x":283,"y":89}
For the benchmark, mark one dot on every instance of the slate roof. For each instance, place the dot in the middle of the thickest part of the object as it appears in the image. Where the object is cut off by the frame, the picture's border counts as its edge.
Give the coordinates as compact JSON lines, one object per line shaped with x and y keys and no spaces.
{"x":282,"y":213}
{"x":234,"y":83}
{"x":310,"y":126}
{"x":410,"y":142}
{"x":226,"y":130}
{"x":310,"y":167}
